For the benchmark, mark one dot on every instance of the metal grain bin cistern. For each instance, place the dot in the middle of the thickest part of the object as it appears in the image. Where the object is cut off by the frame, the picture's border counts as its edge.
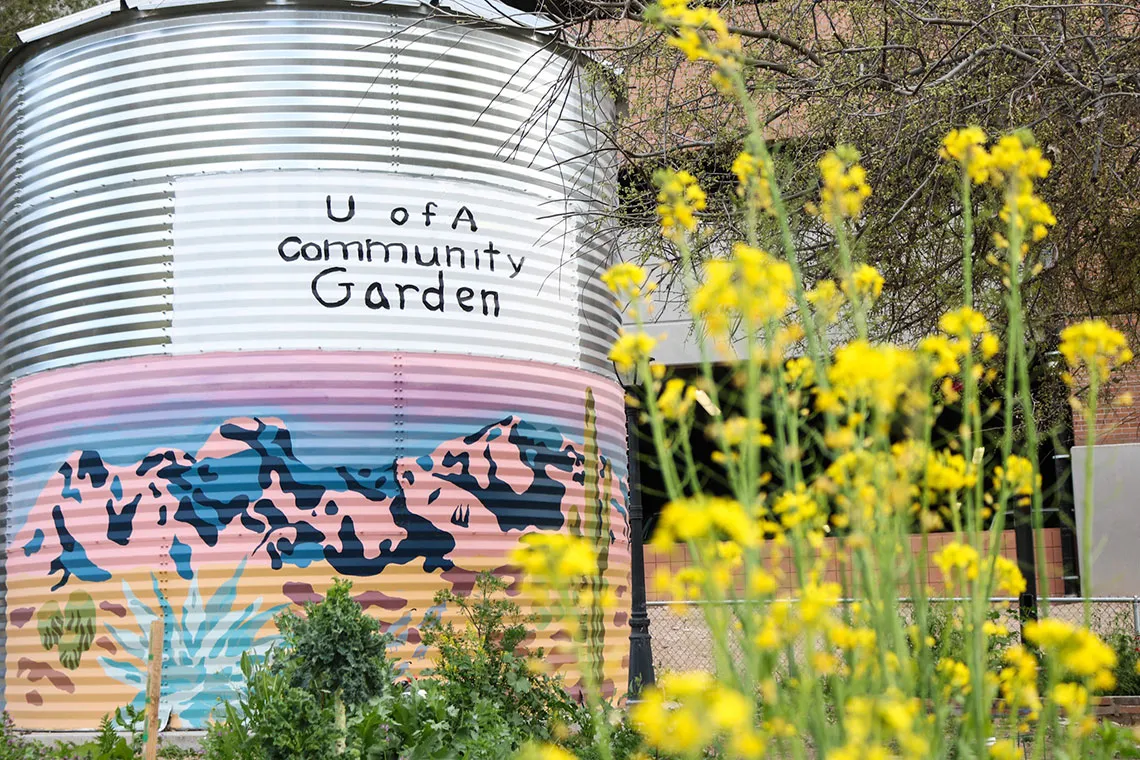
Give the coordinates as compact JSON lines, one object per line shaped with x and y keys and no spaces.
{"x":290,"y":292}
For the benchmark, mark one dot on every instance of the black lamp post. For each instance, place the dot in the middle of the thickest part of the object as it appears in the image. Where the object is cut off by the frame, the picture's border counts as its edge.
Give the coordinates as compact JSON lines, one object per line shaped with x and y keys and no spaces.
{"x":640,"y":642}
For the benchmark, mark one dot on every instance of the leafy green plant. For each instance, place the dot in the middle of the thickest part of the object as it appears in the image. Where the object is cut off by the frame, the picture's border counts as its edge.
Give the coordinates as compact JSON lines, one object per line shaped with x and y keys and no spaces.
{"x":485,"y":661}
{"x":119,"y":738}
{"x":1126,"y":644}
{"x":945,"y":625}
{"x":271,"y":719}
{"x":420,"y":723}
{"x":336,"y":653}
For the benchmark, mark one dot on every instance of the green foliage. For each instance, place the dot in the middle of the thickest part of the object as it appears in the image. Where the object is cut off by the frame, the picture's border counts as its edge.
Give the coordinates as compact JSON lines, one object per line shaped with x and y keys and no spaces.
{"x":625,"y":742}
{"x":335,"y":649}
{"x":486,"y":662}
{"x":1126,"y":643}
{"x":272,"y":719}
{"x":120,"y":739}
{"x":945,"y":626}
{"x":421,"y":723}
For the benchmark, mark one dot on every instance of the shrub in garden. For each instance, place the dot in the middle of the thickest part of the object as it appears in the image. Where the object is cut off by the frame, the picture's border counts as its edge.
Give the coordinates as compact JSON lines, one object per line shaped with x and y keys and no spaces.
{"x":295,"y":703}
{"x":335,"y":652}
{"x":847,"y":670}
{"x":1126,"y":644}
{"x":485,"y":661}
{"x":271,"y":718}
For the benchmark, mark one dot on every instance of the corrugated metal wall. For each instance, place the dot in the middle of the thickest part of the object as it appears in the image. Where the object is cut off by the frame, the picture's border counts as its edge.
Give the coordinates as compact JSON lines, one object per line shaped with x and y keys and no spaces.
{"x":185,"y":439}
{"x":93,"y":133}
{"x":221,"y":486}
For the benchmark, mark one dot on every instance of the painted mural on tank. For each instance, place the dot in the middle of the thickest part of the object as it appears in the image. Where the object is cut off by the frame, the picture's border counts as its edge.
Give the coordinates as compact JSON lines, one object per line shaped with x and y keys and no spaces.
{"x":218,"y":489}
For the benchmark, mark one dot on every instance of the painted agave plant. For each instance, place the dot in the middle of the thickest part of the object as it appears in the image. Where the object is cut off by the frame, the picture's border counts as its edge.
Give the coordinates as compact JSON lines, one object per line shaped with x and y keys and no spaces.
{"x":203,"y":645}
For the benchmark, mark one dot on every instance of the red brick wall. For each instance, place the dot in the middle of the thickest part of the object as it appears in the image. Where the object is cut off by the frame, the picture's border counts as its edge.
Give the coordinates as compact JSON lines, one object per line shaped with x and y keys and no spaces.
{"x":1115,"y":422}
{"x":679,"y":557}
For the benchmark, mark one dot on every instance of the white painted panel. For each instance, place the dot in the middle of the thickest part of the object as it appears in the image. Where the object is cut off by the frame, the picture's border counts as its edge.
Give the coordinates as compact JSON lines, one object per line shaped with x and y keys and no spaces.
{"x":262,"y":262}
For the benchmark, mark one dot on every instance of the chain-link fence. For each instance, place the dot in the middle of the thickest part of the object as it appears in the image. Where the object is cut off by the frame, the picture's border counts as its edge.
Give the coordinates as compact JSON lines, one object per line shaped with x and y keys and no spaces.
{"x":681,"y":639}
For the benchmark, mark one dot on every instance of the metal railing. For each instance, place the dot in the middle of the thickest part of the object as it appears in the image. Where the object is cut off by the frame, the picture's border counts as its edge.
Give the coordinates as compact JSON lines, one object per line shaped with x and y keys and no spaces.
{"x":681,"y":640}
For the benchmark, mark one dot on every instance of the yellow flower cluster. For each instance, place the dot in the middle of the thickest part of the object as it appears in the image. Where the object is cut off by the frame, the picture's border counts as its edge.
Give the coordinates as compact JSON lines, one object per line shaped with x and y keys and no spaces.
{"x":1079,"y":651}
{"x":877,"y":374}
{"x":827,"y":300}
{"x":865,"y":282}
{"x":676,"y":399}
{"x":627,"y":280}
{"x":752,"y":286}
{"x":1017,"y":681}
{"x":698,"y":32}
{"x":1073,"y":698}
{"x":845,"y":187}
{"x":679,"y":198}
{"x":799,"y":370}
{"x":555,"y":558}
{"x":630,"y":349}
{"x":880,"y":728}
{"x":687,"y":711}
{"x":754,"y":184}
{"x":967,"y":147}
{"x":947,"y":471}
{"x":1096,"y":346}
{"x":1008,"y":579}
{"x":1017,"y":476}
{"x":544,"y":752}
{"x":1014,"y":162}
{"x":797,"y":507}
{"x":964,"y":330}
{"x":705,"y":518}
{"x":956,"y":561}
{"x":956,"y":677}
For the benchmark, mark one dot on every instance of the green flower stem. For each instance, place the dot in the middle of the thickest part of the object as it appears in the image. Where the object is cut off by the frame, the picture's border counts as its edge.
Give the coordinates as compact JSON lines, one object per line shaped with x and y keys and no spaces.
{"x":1087,"y":512}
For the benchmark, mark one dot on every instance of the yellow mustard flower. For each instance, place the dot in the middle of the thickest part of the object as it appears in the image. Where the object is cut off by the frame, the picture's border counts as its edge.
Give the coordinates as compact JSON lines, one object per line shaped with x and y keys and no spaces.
{"x":753,"y":181}
{"x":845,"y":187}
{"x":942,"y":354}
{"x":1079,"y":651}
{"x":630,"y":349}
{"x":796,"y":507}
{"x":676,"y":399}
{"x":699,"y":32}
{"x":955,"y":674}
{"x":1073,"y":698}
{"x":965,"y":323}
{"x":947,"y":471}
{"x":967,"y":147}
{"x":705,"y":518}
{"x":626,"y":280}
{"x":1017,"y":476}
{"x":957,"y":559}
{"x":555,"y":557}
{"x":545,"y":752}
{"x":827,"y":300}
{"x":799,"y":370}
{"x":1095,"y":345}
{"x":1005,"y":749}
{"x":685,"y":711}
{"x":816,"y":600}
{"x":1007,"y":577}
{"x":679,"y":198}
{"x":881,"y":375}
{"x":866,"y":281}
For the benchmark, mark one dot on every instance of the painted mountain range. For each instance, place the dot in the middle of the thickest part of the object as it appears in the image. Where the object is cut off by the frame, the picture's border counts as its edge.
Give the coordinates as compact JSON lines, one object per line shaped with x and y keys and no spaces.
{"x":245,"y":496}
